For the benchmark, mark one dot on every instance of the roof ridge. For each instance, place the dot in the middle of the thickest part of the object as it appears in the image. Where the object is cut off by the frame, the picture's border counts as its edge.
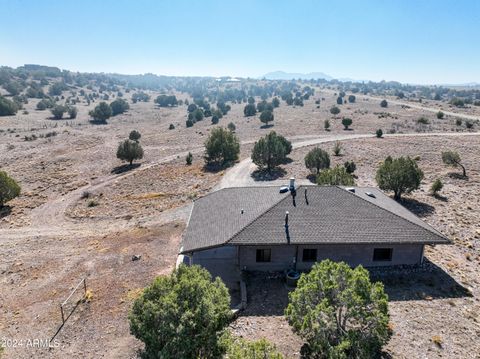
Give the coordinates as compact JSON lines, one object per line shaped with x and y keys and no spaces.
{"x":430,"y":228}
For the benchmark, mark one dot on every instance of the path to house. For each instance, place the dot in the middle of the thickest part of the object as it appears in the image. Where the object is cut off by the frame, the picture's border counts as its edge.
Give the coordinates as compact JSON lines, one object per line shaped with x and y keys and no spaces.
{"x":240,"y":175}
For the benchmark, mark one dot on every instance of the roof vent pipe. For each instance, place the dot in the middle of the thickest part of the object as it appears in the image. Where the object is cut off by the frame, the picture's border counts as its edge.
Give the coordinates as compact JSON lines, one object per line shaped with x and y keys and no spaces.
{"x":292,"y":183}
{"x":306,"y":198}
{"x":241,"y":211}
{"x":286,"y":219}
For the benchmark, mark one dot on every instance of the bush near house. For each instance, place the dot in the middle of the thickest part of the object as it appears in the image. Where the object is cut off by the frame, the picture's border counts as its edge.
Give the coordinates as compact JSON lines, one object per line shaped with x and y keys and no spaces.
{"x":339,"y":312}
{"x":337,"y":176}
{"x":317,"y":159}
{"x":182,"y":315}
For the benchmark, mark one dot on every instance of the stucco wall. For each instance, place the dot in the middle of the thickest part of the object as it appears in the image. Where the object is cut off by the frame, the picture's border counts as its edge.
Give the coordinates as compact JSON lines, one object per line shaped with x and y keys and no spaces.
{"x":282,"y":257}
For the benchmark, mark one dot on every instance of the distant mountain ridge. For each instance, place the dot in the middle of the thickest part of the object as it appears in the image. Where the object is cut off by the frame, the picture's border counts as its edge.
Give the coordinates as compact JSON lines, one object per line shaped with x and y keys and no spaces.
{"x":282,"y":75}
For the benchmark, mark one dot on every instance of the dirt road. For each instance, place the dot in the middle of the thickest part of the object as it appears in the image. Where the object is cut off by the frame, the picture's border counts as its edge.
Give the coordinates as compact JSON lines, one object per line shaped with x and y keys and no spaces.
{"x":240,"y":174}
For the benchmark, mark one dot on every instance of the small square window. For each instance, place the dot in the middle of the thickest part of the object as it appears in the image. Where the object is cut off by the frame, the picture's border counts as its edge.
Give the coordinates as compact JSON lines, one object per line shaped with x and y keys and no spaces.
{"x":264,"y":255}
{"x":309,"y":255}
{"x":382,"y":254}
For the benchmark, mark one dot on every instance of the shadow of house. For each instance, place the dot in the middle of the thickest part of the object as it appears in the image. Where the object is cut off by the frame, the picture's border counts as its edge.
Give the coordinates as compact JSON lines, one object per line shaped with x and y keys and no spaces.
{"x":268,"y":294}
{"x":425,"y":282}
{"x":124,"y":168}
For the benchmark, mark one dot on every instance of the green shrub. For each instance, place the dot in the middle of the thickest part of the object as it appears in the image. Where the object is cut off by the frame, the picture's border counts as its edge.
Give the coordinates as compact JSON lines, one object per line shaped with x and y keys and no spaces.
{"x":182,"y":315}
{"x":350,"y":166}
{"x":119,"y":106}
{"x":72,"y":112}
{"x":129,"y":151}
{"x":384,"y":103}
{"x":334,"y":110}
{"x":337,"y":148}
{"x":346,"y":122}
{"x":166,"y":100}
{"x":250,"y":110}
{"x":316,"y":160}
{"x":440,"y":115}
{"x":171,"y":126}
{"x":379,"y":133}
{"x":231,"y":126}
{"x":7,"y":107}
{"x":239,"y":348}
{"x":351,"y":98}
{"x":458,"y":121}
{"x":326,"y":125}
{"x":58,"y":111}
{"x":423,"y":120}
{"x":102,"y":112}
{"x":9,"y":188}
{"x":189,"y":123}
{"x":270,"y":151}
{"x":400,"y":175}
{"x":266,"y":117}
{"x":339,"y":312}
{"x":134,"y":136}
{"x":436,"y":187}
{"x":452,"y":158}
{"x":189,"y":158}
{"x":337,"y":176}
{"x":221,"y":147}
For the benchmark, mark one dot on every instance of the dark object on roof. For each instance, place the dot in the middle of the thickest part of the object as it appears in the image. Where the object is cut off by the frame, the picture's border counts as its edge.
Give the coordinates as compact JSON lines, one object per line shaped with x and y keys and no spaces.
{"x":333,"y":215}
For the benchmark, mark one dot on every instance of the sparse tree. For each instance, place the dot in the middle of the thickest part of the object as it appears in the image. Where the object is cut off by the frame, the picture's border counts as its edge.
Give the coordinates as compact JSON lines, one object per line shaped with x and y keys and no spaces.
{"x":134,"y":136}
{"x":384,"y":103}
{"x":452,"y":158}
{"x":379,"y":133}
{"x":334,"y":110}
{"x":250,"y":110}
{"x":351,"y":98}
{"x":400,"y":175}
{"x":337,"y":176}
{"x":251,"y":100}
{"x":102,"y":112}
{"x":339,"y":100}
{"x":317,"y":159}
{"x":270,"y":151}
{"x":346,"y":122}
{"x":58,"y":111}
{"x":326,"y":125}
{"x":275,"y":102}
{"x":129,"y":151}
{"x":266,"y":117}
{"x":9,"y":188}
{"x":119,"y":106}
{"x":72,"y":112}
{"x":436,"y":187}
{"x":7,"y":107}
{"x":221,"y":147}
{"x":182,"y":315}
{"x":339,"y":312}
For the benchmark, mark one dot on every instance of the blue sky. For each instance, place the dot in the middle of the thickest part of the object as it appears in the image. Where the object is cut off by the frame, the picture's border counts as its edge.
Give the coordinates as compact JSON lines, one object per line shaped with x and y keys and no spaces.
{"x":422,"y":41}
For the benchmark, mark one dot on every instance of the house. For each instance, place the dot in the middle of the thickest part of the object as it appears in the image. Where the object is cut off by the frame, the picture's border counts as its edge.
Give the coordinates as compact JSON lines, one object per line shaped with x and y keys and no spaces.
{"x":262,"y":229}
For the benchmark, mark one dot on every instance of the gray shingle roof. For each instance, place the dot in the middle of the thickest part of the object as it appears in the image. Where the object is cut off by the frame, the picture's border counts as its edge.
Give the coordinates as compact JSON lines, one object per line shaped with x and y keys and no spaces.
{"x":332,"y":215}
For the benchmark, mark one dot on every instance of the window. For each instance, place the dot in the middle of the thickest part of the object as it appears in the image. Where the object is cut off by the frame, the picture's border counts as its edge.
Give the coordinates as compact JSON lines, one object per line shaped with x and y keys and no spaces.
{"x":309,"y":255}
{"x":263,"y":255}
{"x":382,"y":254}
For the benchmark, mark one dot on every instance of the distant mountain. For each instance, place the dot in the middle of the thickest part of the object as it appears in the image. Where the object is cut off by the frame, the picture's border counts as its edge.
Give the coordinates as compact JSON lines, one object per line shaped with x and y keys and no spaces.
{"x":281,"y":75}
